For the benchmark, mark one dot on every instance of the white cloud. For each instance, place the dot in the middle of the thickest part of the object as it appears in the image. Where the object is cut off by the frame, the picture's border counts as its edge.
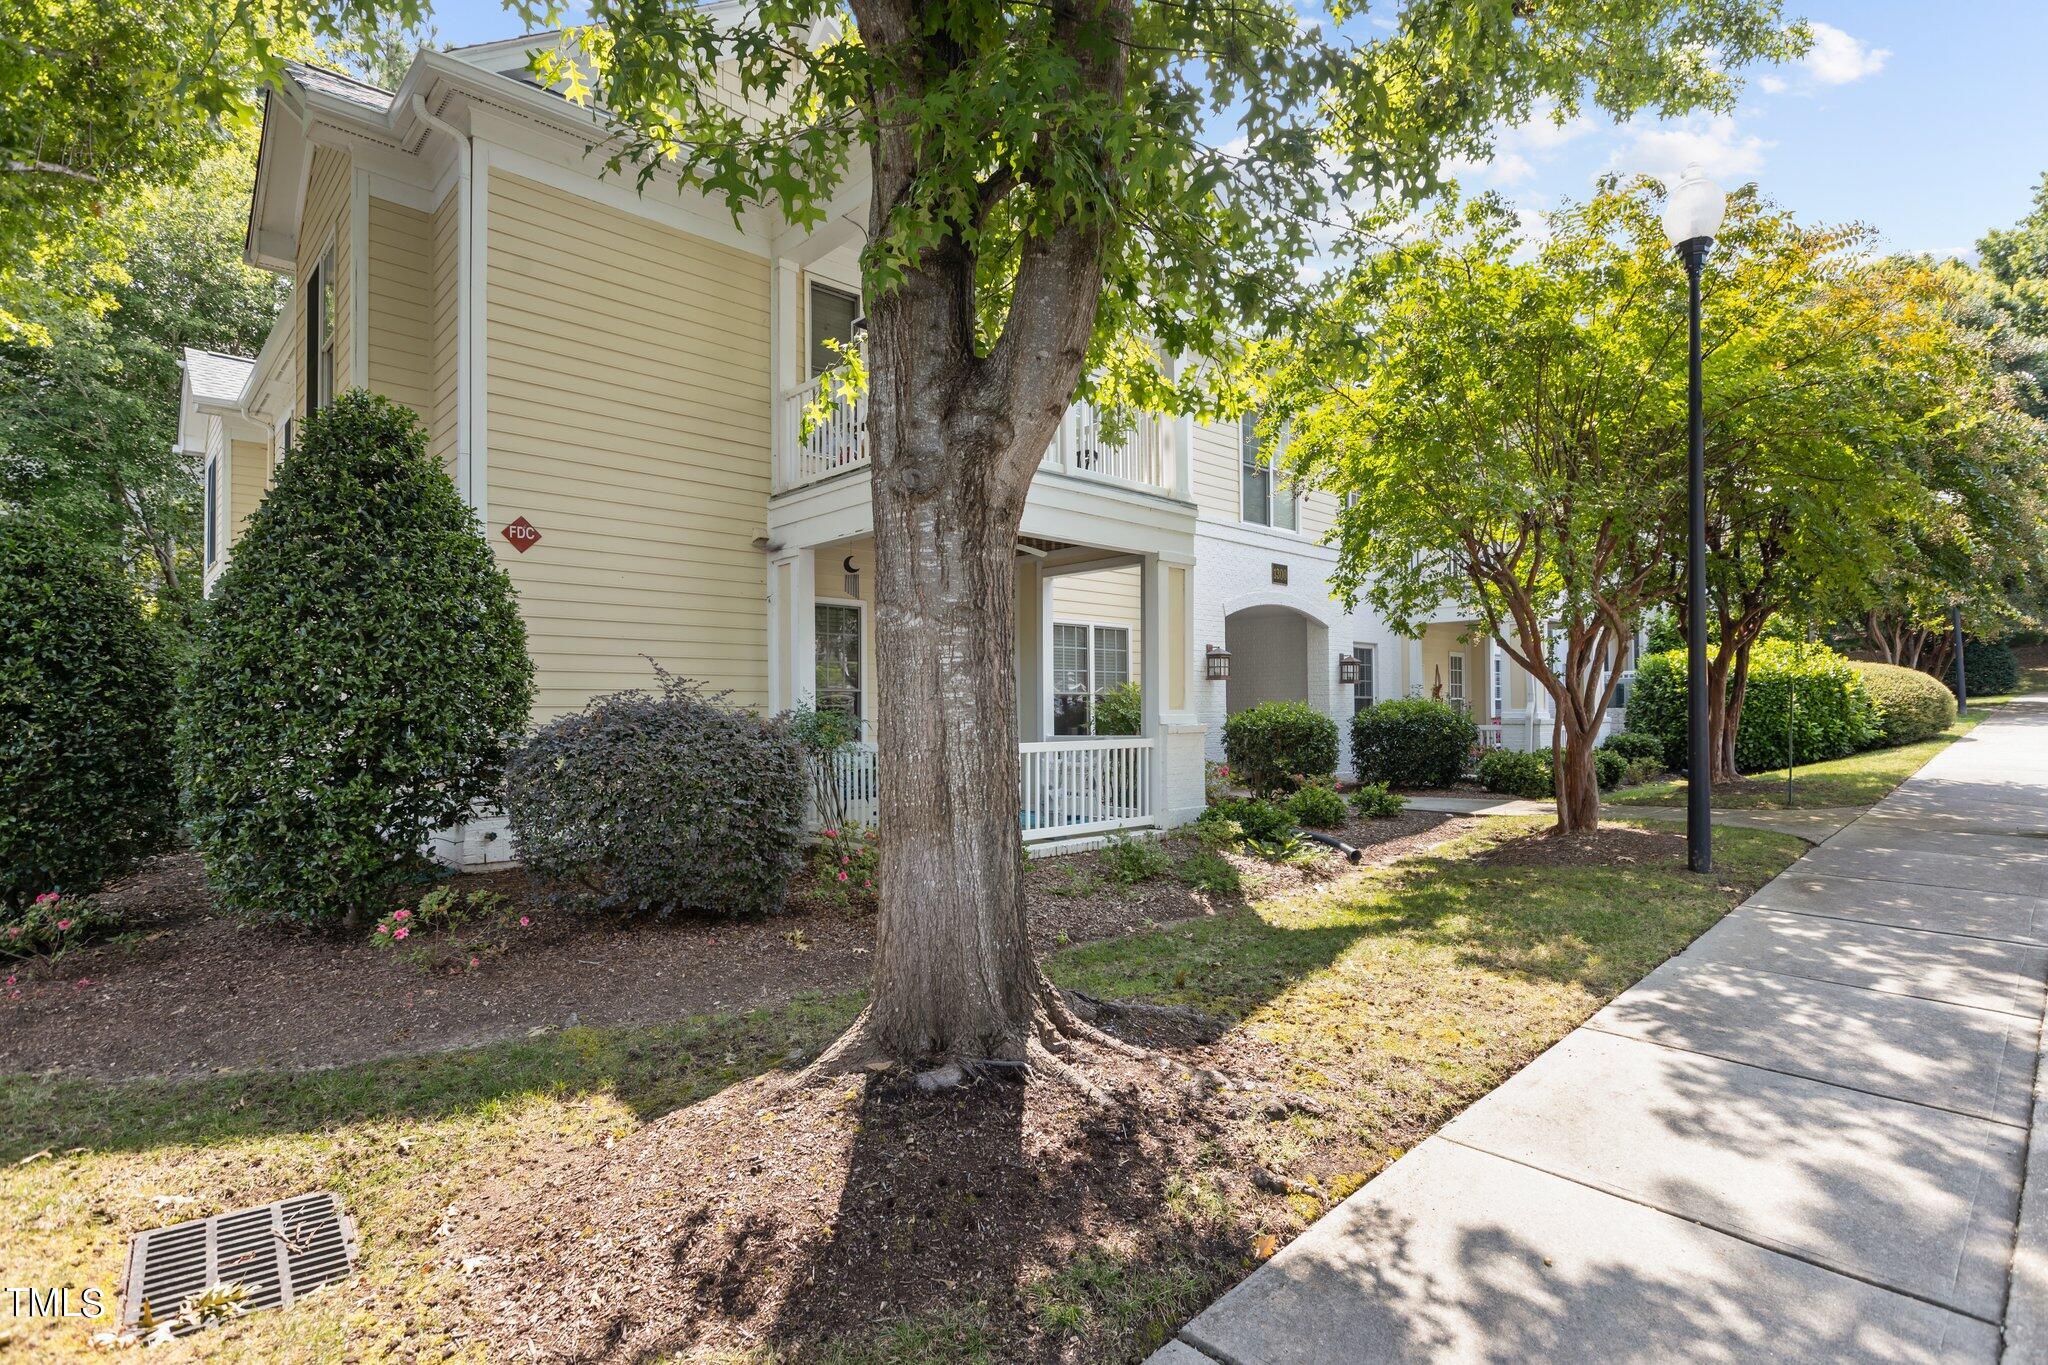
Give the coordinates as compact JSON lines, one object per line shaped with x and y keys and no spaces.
{"x":1836,"y":58}
{"x":1718,"y":145}
{"x":1771,"y":85}
{"x":1543,"y":133}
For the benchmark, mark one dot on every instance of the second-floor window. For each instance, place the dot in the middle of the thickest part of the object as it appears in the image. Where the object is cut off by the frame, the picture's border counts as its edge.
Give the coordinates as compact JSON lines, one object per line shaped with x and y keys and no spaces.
{"x":832,"y":315}
{"x":1268,"y":501}
{"x":212,"y":510}
{"x":320,"y":334}
{"x":1087,"y":661}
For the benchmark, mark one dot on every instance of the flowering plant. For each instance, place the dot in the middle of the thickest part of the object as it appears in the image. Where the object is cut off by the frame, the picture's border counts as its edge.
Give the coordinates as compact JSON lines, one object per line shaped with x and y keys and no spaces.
{"x":450,"y":927}
{"x":53,"y":922}
{"x":846,"y":865}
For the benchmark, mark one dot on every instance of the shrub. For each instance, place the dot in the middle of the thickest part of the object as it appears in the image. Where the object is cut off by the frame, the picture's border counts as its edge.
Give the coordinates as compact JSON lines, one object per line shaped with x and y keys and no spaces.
{"x":1633,"y":744}
{"x":1275,"y":744}
{"x":660,"y":802}
{"x":1246,"y":822}
{"x":1512,"y":772}
{"x":1207,"y":870}
{"x":53,"y":922}
{"x":846,"y":867}
{"x":449,"y":926}
{"x":1374,"y":801}
{"x":1316,"y":805}
{"x":821,"y":735}
{"x":361,"y":675}
{"x":1911,"y":705}
{"x":1610,"y":769}
{"x":1120,"y":711}
{"x":1641,"y":770}
{"x":1834,"y":713}
{"x":1412,"y":743}
{"x":1990,"y":669}
{"x":85,"y":703}
{"x":1129,"y":861}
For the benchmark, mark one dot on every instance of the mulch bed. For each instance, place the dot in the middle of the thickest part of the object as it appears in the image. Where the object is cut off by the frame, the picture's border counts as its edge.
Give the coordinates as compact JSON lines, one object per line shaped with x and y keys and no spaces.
{"x":192,"y":991}
{"x":1608,"y":846}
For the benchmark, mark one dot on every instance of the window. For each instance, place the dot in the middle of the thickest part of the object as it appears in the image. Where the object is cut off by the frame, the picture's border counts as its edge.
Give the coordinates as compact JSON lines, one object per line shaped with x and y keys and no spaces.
{"x":1087,"y":661}
{"x":1455,"y":672}
{"x":212,"y":510}
{"x":1267,"y":501}
{"x":832,"y":316}
{"x":839,"y":657}
{"x":320,"y":334}
{"x":1362,"y":693}
{"x":1500,"y":684}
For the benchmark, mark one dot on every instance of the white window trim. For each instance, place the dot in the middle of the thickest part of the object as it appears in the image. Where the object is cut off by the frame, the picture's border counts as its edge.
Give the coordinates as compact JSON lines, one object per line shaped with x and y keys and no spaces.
{"x":867,"y":674}
{"x":1129,"y":634}
{"x":1273,"y":468}
{"x":1456,"y":684}
{"x":813,"y":283}
{"x":309,"y":359}
{"x":1371,"y":653}
{"x":1500,"y":685}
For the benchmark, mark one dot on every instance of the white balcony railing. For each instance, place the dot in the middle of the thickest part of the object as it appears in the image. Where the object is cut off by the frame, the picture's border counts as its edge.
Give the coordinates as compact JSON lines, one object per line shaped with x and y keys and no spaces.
{"x":815,"y":444}
{"x":1069,"y":787}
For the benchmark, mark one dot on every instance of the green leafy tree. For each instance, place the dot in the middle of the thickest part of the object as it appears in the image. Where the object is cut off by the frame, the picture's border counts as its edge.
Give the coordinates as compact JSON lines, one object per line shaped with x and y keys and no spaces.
{"x":85,"y":699}
{"x":362,"y":674}
{"x":1055,"y":199}
{"x":88,"y":420}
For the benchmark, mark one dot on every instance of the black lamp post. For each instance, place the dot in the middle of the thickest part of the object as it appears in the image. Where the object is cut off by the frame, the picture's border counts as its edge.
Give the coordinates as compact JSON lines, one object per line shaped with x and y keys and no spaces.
{"x":1692,"y":215}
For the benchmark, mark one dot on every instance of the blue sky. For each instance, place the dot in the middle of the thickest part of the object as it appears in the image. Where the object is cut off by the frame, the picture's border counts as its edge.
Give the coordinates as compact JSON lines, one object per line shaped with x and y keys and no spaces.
{"x":1929,"y":122}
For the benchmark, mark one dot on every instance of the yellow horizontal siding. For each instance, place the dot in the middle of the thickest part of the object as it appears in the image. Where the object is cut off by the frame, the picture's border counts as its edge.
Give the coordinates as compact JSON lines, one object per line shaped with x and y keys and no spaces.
{"x":1216,"y":470}
{"x":629,"y":422}
{"x":445,"y":248}
{"x":401,"y":350}
{"x":1108,"y":597}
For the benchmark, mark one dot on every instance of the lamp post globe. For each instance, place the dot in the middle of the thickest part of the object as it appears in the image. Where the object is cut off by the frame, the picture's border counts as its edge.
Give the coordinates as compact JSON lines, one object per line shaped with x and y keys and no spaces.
{"x":1692,"y":215}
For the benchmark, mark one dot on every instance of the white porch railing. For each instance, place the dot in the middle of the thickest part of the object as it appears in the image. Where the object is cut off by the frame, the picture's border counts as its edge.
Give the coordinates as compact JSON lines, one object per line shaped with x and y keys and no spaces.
{"x":1088,"y":444}
{"x":837,"y":442}
{"x":1068,"y":787}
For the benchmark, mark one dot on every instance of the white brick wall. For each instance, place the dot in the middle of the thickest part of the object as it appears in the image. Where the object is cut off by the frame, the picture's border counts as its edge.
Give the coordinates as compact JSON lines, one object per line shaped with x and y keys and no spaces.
{"x":1233,"y":570}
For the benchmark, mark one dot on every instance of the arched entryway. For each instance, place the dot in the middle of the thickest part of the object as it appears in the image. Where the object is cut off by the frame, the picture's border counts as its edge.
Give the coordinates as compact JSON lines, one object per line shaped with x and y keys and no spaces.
{"x":1275,"y":653}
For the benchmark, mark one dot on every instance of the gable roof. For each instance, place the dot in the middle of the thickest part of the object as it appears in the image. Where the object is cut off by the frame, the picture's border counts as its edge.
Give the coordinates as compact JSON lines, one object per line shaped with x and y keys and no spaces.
{"x":216,"y":378}
{"x":338,"y":85}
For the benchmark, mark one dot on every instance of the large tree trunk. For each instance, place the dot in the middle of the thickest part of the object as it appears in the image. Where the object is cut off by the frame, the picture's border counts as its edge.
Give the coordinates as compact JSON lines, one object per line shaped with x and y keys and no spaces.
{"x":1728,"y":728}
{"x":953,"y":970}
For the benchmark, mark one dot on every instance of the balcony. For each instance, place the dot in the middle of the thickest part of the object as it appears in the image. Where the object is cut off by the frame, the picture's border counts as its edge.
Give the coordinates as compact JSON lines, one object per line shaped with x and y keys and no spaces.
{"x":813,"y":447}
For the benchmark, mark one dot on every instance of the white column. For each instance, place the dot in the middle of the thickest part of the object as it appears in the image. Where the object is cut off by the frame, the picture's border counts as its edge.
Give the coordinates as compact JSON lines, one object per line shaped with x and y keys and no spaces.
{"x":1152,"y":642}
{"x":803,"y":630}
{"x":785,"y":349}
{"x":1411,"y":654}
{"x":1045,"y":658}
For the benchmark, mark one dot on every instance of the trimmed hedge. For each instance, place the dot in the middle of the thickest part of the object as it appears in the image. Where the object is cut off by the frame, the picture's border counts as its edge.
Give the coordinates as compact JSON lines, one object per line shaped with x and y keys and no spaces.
{"x":361,"y":675}
{"x":1317,"y":806}
{"x":1511,"y":772}
{"x":85,"y":701}
{"x":1835,"y":715}
{"x":1270,"y":745}
{"x":1633,"y":744}
{"x":660,"y":803}
{"x":1414,"y":742}
{"x":1911,"y":705}
{"x":1990,"y":669}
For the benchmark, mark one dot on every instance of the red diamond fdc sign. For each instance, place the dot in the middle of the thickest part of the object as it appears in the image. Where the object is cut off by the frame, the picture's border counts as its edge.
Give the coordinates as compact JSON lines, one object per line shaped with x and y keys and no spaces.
{"x":522,"y":535}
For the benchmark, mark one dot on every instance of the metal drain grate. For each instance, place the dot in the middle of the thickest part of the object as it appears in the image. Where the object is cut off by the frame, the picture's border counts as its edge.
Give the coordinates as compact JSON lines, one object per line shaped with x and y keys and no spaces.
{"x":277,"y":1252}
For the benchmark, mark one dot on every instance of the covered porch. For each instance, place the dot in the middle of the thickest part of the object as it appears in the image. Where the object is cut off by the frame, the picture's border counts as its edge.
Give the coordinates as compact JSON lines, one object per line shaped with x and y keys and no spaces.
{"x":1455,"y":661}
{"x":1107,"y":739}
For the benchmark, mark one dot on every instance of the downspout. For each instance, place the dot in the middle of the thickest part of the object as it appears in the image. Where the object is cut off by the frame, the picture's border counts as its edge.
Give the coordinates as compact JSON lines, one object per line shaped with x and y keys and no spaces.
{"x":465,"y":314}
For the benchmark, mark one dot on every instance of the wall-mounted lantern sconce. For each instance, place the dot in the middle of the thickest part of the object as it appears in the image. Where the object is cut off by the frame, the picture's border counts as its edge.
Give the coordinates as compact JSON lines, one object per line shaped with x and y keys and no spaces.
{"x":1349,"y":670}
{"x":1216,"y":664}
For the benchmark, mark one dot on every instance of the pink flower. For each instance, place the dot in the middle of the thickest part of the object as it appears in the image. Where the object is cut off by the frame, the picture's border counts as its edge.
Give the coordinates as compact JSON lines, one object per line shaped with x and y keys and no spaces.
{"x":62,"y":925}
{"x":524,"y":922}
{"x":472,"y":959}
{"x":831,"y":834}
{"x":867,"y":886}
{"x":845,"y":858}
{"x":383,"y":928}
{"x":46,"y":898}
{"x":13,"y":932}
{"x":400,"y":932}
{"x":842,"y":876}
{"x":401,"y":915}
{"x":10,"y":981}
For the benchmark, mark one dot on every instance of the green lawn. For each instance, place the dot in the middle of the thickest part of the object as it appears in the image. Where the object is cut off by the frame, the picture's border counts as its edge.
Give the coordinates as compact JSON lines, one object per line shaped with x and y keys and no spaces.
{"x":1394,"y":1002}
{"x":1858,"y":780}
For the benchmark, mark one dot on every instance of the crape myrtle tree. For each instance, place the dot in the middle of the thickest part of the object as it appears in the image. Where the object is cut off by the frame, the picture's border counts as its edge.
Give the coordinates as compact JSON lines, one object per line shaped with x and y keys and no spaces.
{"x":1495,"y":407}
{"x":1824,"y":371}
{"x":1059,"y":191}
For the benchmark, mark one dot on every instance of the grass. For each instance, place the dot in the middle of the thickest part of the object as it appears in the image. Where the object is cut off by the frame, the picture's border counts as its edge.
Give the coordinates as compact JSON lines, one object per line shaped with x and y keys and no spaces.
{"x":1858,"y":780}
{"x":1393,"y":1003}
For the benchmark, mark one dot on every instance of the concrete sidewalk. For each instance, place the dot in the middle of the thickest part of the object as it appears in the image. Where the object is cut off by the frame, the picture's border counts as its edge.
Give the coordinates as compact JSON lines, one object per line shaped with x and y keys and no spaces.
{"x":1803,"y":1138}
